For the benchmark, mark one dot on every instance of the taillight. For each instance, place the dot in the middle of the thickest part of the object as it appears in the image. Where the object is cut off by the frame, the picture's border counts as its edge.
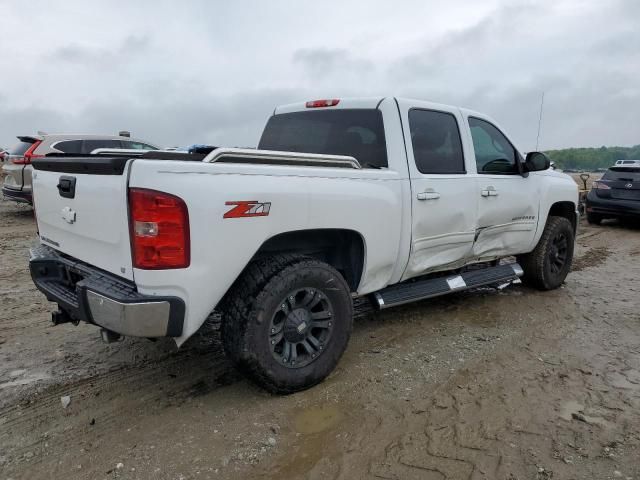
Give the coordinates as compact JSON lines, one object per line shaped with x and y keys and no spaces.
{"x":598,"y":185}
{"x":28,"y":155}
{"x":159,"y":230}
{"x":322,"y":103}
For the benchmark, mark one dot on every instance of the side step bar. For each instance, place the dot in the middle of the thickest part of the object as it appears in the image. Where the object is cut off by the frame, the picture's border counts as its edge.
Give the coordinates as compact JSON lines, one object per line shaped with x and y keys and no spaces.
{"x":433,"y":287}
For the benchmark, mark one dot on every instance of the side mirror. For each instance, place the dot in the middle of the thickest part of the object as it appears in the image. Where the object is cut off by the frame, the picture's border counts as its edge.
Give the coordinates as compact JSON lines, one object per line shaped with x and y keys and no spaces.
{"x":536,"y":162}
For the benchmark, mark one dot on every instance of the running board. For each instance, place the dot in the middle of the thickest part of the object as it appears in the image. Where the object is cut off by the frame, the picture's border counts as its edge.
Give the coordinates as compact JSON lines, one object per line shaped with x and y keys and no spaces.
{"x":433,"y":287}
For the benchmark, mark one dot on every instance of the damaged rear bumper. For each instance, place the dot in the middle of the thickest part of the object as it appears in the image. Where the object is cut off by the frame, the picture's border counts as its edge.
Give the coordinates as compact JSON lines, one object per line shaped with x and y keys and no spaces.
{"x":85,"y":293}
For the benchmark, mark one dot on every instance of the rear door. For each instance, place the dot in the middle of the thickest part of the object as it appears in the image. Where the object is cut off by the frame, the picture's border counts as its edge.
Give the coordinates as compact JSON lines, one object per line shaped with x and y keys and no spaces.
{"x":443,"y":202}
{"x":508,"y":203}
{"x":81,"y":208}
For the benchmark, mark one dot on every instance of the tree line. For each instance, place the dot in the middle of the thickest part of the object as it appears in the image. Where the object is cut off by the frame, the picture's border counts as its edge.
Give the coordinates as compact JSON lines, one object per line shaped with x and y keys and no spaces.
{"x":592,"y":158}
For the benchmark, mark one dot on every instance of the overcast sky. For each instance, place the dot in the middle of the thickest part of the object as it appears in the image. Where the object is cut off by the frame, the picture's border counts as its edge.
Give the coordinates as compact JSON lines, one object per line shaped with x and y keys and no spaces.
{"x":177,"y":73}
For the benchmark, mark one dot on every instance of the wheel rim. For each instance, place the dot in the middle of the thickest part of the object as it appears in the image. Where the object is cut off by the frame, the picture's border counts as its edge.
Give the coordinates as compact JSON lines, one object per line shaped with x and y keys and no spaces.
{"x":558,"y":253}
{"x":301,"y":327}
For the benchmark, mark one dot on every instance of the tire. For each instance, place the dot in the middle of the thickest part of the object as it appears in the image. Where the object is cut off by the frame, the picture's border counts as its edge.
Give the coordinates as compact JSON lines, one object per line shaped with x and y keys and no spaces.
{"x":594,"y":218}
{"x":548,"y":265}
{"x":287,"y":321}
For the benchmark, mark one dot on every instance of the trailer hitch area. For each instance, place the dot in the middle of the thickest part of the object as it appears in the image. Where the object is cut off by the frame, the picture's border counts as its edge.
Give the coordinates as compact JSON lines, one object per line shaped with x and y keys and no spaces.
{"x":61,"y":316}
{"x":109,"y":336}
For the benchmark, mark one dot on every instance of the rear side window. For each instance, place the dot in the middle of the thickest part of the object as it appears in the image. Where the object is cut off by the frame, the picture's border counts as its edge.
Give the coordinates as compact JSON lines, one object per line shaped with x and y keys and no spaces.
{"x":137,"y":145}
{"x":20,"y":148}
{"x":494,"y":153}
{"x":357,"y":133}
{"x":69,"y":146}
{"x":89,"y":146}
{"x":435,"y":138}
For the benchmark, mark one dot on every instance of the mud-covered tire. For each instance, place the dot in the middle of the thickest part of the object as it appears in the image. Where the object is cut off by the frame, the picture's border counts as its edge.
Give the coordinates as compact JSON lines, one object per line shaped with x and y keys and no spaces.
{"x":594,"y":218}
{"x":542,"y":267}
{"x":249,"y":310}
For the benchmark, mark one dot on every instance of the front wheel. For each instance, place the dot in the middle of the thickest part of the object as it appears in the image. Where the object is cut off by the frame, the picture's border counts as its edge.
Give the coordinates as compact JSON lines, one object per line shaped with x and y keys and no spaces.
{"x":288,"y":331}
{"x":548,"y":265}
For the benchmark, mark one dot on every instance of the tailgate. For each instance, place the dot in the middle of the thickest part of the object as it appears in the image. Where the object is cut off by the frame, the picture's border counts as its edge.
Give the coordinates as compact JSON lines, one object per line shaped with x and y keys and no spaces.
{"x":81,"y":209}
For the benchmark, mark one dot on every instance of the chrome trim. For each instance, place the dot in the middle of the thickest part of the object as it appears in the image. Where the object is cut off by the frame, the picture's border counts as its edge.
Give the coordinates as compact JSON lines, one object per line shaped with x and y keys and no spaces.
{"x":129,"y":152}
{"x":216,"y":154}
{"x":517,"y":269}
{"x":456,"y":283}
{"x":146,"y":319}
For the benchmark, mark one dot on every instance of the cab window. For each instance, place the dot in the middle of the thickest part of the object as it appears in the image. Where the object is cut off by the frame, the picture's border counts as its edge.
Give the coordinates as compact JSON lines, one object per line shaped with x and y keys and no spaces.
{"x":435,"y":138}
{"x":494,"y":153}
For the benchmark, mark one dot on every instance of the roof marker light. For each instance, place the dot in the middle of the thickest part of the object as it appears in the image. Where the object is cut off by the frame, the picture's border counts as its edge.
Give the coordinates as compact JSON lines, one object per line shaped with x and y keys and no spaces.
{"x":322,"y":103}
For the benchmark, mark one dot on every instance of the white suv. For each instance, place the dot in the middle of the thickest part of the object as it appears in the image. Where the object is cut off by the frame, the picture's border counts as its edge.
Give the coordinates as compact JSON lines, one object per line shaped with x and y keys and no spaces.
{"x":17,"y":167}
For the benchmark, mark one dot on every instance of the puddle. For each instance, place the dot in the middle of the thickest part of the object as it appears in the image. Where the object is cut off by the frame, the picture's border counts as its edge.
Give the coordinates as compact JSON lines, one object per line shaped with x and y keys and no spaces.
{"x":317,"y":419}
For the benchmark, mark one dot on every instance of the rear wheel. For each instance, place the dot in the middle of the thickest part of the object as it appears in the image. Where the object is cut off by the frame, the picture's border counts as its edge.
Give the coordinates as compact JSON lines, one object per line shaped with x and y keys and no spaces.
{"x":548,"y":265}
{"x":288,"y":326}
{"x":594,"y":218}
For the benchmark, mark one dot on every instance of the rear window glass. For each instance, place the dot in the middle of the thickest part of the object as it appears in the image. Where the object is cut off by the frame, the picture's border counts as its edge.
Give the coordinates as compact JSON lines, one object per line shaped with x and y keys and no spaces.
{"x":622,"y":174}
{"x":435,"y":138}
{"x":70,"y":146}
{"x":20,"y":148}
{"x":357,"y":133}
{"x":137,"y":145}
{"x":89,"y":146}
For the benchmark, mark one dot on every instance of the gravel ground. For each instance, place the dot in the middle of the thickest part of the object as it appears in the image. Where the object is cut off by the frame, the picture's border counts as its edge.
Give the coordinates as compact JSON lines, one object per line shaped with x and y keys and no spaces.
{"x":489,"y":384}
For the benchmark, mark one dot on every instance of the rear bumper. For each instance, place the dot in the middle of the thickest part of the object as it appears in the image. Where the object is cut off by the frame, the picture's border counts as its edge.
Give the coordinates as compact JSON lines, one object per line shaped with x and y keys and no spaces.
{"x":612,"y":207}
{"x":17,"y":195}
{"x":87,"y":294}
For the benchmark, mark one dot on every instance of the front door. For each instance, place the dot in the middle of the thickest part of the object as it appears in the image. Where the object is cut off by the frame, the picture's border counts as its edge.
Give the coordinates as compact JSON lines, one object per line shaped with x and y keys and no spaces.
{"x":443,"y":201}
{"x":508,"y":202}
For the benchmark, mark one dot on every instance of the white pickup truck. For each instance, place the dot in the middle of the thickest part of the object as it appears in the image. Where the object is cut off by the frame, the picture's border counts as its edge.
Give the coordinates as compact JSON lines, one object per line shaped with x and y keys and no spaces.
{"x":383,"y":199}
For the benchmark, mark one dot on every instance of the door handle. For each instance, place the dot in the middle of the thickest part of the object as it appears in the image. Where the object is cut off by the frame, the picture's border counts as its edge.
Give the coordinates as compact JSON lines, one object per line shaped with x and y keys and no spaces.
{"x":428,"y":194}
{"x":489,"y":192}
{"x":67,"y":186}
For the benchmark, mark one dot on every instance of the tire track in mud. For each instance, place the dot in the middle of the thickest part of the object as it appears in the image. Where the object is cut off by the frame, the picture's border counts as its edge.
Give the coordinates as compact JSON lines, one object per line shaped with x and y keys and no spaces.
{"x":98,"y":401}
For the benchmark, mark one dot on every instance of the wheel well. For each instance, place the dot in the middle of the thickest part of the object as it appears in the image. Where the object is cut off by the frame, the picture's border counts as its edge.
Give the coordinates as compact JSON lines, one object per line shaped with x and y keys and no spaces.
{"x":342,"y":249}
{"x":566,"y":210}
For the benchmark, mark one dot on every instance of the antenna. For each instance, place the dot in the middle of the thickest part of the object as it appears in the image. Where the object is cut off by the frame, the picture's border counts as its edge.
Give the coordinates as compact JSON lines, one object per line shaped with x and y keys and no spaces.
{"x":539,"y":121}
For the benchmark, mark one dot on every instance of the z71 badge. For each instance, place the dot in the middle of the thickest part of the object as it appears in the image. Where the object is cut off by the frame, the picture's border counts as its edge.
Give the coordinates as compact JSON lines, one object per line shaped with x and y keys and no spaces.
{"x":248,"y":208}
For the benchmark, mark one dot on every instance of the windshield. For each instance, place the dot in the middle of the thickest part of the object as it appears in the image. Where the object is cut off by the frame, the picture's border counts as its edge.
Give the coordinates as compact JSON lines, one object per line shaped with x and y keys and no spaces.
{"x":357,"y":133}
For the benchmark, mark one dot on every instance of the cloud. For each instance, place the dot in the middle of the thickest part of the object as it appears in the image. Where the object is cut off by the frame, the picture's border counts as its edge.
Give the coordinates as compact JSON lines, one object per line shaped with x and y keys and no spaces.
{"x":129,"y":47}
{"x":214,"y":73}
{"x":328,"y":61}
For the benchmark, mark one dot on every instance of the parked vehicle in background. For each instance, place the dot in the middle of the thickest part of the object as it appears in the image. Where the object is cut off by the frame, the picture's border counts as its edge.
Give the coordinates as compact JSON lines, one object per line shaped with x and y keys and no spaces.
{"x":627,"y":163}
{"x":616,"y":194}
{"x":18,"y":169}
{"x":390,"y":200}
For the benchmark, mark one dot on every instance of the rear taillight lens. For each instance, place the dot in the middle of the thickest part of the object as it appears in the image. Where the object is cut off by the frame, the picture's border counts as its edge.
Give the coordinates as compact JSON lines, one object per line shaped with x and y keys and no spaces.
{"x":601,"y":186}
{"x":28,"y":155}
{"x":159,"y":230}
{"x":322,"y":103}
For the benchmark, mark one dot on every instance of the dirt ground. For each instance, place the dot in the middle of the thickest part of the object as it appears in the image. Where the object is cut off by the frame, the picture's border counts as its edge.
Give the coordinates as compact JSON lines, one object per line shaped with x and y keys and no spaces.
{"x":491,"y":384}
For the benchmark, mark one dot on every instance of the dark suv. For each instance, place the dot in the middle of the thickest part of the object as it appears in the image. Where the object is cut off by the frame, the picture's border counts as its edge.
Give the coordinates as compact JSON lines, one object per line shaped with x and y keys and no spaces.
{"x":615,"y":195}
